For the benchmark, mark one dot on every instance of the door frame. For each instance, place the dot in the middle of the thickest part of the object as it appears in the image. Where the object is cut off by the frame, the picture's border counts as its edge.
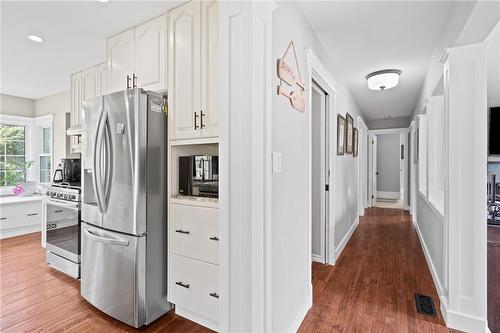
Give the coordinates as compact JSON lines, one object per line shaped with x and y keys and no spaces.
{"x":413,"y":171}
{"x":403,"y":163}
{"x":317,"y":72}
{"x":363,"y":167}
{"x":324,"y":169}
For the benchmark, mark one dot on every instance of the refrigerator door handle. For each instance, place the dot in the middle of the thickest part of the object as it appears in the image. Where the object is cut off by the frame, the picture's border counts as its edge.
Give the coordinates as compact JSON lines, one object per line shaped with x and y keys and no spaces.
{"x":108,"y":153}
{"x":97,"y":172}
{"x":106,"y":240}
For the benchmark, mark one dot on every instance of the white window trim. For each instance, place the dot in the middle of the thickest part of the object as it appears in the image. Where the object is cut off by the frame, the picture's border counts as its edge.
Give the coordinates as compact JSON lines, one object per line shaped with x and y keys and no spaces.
{"x":32,"y":145}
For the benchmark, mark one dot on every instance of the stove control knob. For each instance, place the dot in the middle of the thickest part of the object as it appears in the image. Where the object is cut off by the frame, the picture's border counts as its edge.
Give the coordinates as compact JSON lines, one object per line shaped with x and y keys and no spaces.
{"x":73,"y":197}
{"x":60,"y":195}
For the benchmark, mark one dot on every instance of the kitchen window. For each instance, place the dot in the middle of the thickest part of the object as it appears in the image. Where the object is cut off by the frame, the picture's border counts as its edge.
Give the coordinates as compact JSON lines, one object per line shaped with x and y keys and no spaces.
{"x":45,"y":158}
{"x":12,"y":154}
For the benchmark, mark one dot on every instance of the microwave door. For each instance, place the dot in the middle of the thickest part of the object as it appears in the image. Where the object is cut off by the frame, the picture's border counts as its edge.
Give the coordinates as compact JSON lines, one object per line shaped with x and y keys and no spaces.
{"x":126,"y":177}
{"x":92,"y":112}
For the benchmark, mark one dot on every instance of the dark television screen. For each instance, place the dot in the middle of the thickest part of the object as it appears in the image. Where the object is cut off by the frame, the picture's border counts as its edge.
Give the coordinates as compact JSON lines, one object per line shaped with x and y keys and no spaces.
{"x":494,"y":140}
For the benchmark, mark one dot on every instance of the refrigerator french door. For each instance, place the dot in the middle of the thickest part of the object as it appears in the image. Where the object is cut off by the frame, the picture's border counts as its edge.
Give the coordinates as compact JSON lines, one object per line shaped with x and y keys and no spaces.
{"x":124,"y":220}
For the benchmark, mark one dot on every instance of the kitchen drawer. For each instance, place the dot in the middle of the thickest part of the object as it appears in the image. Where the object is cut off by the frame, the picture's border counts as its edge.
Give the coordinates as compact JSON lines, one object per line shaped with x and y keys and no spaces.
{"x":194,"y":232}
{"x":19,"y":218}
{"x":194,"y":287}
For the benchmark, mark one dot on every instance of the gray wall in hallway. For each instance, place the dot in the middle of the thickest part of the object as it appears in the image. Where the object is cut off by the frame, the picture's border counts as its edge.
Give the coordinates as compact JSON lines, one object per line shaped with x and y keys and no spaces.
{"x":400,"y":122}
{"x":388,"y":162}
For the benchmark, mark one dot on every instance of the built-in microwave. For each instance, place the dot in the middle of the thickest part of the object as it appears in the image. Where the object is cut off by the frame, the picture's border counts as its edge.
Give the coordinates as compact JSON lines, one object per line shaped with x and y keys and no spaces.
{"x":199,"y":175}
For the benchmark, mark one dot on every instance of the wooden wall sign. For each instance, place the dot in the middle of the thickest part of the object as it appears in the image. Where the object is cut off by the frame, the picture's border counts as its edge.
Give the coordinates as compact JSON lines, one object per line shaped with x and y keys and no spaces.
{"x":291,"y":85}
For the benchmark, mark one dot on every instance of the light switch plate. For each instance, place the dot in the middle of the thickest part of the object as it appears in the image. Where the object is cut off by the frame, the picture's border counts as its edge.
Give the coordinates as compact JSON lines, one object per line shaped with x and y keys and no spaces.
{"x":277,"y":162}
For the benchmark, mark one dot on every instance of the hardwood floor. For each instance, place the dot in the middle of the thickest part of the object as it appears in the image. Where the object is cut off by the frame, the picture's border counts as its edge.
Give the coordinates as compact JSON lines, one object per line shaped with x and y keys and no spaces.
{"x":372,"y":286}
{"x":371,"y":289}
{"x":37,"y":298}
{"x":494,"y":279}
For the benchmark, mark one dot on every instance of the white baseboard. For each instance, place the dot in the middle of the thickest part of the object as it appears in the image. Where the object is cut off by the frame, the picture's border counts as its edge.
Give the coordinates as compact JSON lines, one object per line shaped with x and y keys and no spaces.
{"x":430,"y":263}
{"x":466,"y":323}
{"x":343,"y":243}
{"x":317,"y":258}
{"x":301,"y":314}
{"x":388,"y":195}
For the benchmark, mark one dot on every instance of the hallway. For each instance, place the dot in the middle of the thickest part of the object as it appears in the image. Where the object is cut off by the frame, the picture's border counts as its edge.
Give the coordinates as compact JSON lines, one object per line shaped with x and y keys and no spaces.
{"x":372,"y":286}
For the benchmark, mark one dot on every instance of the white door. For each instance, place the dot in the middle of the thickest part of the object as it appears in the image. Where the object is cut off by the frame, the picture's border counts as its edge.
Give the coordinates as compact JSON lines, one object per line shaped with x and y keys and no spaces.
{"x":150,"y":54}
{"x":90,"y":85}
{"x":102,"y":79}
{"x":374,"y":170}
{"x":120,"y":56}
{"x":209,"y":119}
{"x":185,"y":71}
{"x":319,"y":173}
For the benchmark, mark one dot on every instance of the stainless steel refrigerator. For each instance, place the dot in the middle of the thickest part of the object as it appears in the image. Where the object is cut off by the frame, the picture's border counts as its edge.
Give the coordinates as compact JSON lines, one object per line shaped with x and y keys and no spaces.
{"x":124,"y":217}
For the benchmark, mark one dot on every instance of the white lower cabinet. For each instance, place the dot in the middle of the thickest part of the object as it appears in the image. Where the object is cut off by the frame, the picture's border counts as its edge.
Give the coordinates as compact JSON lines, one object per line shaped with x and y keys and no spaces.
{"x":20,"y":218}
{"x":194,"y":290}
{"x":194,"y":258}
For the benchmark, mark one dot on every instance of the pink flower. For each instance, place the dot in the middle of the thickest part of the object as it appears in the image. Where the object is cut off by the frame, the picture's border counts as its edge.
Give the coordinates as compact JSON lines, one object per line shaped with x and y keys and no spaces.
{"x":18,"y":190}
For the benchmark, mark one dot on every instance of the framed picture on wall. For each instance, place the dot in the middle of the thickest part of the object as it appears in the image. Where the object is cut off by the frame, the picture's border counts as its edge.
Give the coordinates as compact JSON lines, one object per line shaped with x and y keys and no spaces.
{"x":340,"y":135}
{"x":355,"y":142}
{"x":349,"y":133}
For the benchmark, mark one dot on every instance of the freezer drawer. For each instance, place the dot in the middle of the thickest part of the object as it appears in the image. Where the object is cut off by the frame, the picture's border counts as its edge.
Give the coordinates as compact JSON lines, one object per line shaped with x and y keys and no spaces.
{"x":110,"y":269}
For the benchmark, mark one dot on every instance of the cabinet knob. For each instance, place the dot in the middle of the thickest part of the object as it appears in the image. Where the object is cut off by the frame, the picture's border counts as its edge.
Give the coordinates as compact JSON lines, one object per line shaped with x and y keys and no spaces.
{"x":184,"y":285}
{"x":214,"y":295}
{"x":182,"y":231}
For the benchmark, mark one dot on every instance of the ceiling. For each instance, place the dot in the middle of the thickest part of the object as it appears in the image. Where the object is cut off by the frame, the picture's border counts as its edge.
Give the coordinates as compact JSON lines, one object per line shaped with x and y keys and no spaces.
{"x":363,"y":37}
{"x":74,"y":33}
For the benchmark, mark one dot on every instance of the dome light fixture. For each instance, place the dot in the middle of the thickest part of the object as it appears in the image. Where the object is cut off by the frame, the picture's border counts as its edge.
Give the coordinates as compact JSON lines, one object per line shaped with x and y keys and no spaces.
{"x":384,"y":79}
{"x":36,"y":38}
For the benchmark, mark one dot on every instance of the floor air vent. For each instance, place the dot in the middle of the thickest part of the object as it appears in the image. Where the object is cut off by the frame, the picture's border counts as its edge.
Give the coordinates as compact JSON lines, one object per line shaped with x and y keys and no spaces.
{"x":425,"y":305}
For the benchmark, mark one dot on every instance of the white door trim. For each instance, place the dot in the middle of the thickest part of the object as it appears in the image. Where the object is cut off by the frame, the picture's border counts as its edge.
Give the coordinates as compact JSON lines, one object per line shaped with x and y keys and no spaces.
{"x":317,"y":72}
{"x":413,"y":172}
{"x":362,"y":165}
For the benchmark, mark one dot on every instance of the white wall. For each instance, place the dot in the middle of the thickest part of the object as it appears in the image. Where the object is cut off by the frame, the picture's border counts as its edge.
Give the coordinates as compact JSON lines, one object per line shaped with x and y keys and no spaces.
{"x":17,"y":106}
{"x":388,"y":162}
{"x":58,"y":105}
{"x":399,"y":122}
{"x":290,"y":211}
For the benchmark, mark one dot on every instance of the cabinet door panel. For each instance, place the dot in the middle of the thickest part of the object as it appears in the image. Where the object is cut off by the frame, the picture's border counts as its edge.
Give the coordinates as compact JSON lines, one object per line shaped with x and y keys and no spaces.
{"x":209,"y":45}
{"x":89,"y":84}
{"x":102,"y":79}
{"x":120,"y":55}
{"x":184,"y":69}
{"x":150,"y":58}
{"x":76,"y":98}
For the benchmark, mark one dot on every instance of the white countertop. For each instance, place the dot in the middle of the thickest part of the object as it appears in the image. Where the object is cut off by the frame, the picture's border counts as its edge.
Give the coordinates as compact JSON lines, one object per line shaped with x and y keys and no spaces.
{"x":10,"y":199}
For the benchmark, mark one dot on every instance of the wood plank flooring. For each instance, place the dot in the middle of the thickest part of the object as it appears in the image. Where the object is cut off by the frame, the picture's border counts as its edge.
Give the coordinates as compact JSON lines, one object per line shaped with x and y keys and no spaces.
{"x":494,"y":279}
{"x":371,"y":289}
{"x":372,"y":286}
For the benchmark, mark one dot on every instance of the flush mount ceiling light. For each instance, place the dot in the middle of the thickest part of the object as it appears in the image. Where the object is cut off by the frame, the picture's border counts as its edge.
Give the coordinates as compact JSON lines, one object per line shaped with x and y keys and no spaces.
{"x":103,"y":0}
{"x":35,"y":38}
{"x":383,"y":80}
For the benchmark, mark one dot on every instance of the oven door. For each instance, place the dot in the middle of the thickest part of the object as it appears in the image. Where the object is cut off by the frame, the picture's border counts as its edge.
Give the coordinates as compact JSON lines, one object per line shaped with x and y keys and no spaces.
{"x":63,"y":228}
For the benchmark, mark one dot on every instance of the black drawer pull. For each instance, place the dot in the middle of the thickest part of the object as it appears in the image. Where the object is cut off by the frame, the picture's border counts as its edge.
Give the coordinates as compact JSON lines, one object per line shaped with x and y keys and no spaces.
{"x":214,"y":238}
{"x":185,"y":285}
{"x":214,"y":295}
{"x":3,"y":218}
{"x":182,"y":231}
{"x":32,"y":214}
{"x":59,"y":211}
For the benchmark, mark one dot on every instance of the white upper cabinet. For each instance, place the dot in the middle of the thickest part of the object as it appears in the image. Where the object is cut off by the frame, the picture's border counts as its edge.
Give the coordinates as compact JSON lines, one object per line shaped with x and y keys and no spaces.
{"x":102,"y":79}
{"x":89,"y":83}
{"x":193,"y":69}
{"x":185,"y":68}
{"x":120,"y":58}
{"x":137,"y":57}
{"x":209,"y":40}
{"x":150,"y":54}
{"x":76,"y":98}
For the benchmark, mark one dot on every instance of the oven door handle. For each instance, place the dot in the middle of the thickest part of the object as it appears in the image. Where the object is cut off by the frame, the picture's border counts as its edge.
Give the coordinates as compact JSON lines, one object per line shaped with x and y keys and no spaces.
{"x":62,"y":203}
{"x":106,"y":240}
